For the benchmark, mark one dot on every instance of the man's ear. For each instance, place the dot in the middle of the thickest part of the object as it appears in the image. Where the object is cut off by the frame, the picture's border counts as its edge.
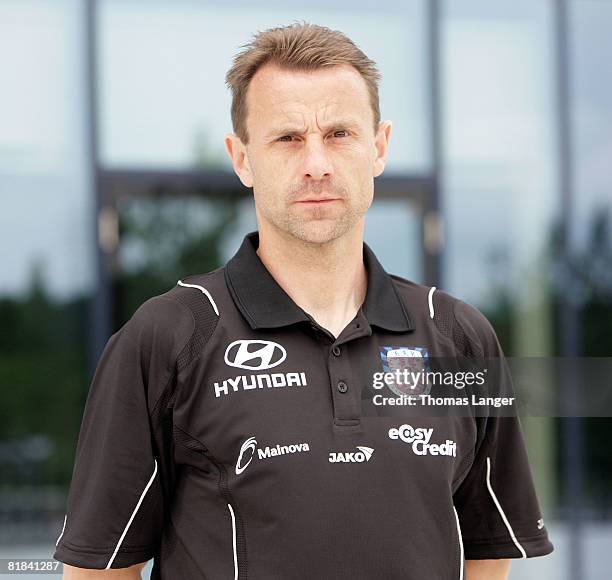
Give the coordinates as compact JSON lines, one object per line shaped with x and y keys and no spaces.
{"x":238,"y":155}
{"x":381,"y":145}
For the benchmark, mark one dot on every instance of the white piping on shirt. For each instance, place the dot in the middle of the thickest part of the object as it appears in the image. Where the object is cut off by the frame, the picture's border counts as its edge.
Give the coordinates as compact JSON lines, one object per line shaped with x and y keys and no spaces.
{"x":133,"y":515}
{"x":501,"y":511}
{"x":462,"y":560}
{"x":430,"y":300}
{"x":234,"y":541}
{"x":206,"y":292}
{"x":62,"y":532}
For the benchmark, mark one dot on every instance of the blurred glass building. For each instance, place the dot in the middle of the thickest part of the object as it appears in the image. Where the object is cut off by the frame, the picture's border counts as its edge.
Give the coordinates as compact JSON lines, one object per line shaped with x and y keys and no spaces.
{"x":115,"y":182}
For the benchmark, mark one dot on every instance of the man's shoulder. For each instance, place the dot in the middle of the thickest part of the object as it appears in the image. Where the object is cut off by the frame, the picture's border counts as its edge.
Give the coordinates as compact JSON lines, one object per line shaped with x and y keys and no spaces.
{"x":199,"y":291}
{"x":169,"y":321}
{"x":457,"y":319}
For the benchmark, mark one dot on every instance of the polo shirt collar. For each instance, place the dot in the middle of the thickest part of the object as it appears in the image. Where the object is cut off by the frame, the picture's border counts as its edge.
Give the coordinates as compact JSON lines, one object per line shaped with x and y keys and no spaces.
{"x":264,"y":303}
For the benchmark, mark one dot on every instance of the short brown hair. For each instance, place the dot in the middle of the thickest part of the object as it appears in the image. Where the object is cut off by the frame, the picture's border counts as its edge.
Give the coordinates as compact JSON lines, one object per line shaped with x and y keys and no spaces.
{"x":298,"y":46}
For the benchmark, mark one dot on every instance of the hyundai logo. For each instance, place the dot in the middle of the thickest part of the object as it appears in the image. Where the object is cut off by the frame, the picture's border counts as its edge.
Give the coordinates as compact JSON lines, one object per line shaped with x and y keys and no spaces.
{"x":255,"y":355}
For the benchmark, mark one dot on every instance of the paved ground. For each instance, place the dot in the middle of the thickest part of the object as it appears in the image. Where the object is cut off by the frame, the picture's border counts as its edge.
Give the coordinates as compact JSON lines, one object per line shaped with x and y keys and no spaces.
{"x":597,"y":557}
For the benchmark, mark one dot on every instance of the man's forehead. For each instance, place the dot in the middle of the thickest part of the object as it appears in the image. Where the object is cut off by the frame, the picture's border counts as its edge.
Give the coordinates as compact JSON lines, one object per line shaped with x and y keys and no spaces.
{"x":292,"y":112}
{"x":288,"y":96}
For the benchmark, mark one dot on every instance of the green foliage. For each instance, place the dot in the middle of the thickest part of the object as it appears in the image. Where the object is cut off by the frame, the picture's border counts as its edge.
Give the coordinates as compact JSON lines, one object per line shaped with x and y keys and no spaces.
{"x":43,"y":358}
{"x":168,"y":240}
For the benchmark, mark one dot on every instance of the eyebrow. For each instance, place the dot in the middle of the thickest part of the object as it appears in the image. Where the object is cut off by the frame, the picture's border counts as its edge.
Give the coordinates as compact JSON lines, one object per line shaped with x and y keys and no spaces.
{"x":294,"y":130}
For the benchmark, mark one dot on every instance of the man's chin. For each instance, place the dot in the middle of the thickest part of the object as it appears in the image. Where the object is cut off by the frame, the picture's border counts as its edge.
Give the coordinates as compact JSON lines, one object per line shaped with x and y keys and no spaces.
{"x":318,"y":232}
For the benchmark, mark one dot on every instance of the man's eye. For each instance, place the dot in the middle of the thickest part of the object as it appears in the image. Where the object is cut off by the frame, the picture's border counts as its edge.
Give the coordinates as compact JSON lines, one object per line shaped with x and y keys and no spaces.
{"x":288,"y":138}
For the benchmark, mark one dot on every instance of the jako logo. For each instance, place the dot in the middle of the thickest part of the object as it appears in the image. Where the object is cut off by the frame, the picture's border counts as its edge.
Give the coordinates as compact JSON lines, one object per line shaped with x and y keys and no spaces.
{"x":247,"y":452}
{"x":267,"y":354}
{"x":363,"y":454}
{"x":419,"y":438}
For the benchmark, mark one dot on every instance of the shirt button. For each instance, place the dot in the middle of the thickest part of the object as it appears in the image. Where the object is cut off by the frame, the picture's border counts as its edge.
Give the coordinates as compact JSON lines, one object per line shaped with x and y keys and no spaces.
{"x":342,"y":386}
{"x":336,"y":350}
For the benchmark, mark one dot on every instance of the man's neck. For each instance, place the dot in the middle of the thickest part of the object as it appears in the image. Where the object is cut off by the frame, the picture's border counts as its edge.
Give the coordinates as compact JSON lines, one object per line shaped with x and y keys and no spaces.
{"x":328,"y":281}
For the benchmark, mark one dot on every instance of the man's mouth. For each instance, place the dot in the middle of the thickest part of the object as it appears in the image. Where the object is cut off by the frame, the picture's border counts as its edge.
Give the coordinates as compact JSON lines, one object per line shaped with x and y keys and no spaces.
{"x":321,"y":201}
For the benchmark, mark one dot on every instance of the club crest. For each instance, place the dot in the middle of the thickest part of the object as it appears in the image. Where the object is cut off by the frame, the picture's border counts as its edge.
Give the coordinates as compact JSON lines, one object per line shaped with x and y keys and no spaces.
{"x":407,"y":365}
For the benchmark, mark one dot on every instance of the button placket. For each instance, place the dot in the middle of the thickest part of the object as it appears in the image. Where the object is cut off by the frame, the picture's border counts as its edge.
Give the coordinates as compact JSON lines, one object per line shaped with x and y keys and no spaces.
{"x":345,"y":394}
{"x":345,"y":387}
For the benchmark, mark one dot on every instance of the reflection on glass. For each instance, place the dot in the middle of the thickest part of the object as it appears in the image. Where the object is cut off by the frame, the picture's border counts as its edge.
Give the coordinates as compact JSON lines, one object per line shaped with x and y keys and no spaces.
{"x":393,"y":231}
{"x":163,"y":240}
{"x":500,"y":194}
{"x":48,"y":274}
{"x":591,"y":262}
{"x":162,"y":86}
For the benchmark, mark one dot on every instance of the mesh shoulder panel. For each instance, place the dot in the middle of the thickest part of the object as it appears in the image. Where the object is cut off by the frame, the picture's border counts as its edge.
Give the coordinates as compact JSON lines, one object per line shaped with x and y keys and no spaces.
{"x":447,"y":324}
{"x":205,"y":319}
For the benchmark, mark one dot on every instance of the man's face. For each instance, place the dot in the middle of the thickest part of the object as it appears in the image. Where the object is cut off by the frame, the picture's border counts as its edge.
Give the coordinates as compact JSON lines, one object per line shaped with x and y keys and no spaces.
{"x":312,"y":154}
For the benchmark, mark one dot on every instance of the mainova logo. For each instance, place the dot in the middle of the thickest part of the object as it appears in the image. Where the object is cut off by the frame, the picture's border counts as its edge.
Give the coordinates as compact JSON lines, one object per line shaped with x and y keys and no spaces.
{"x":254,"y":355}
{"x":419,"y":438}
{"x":360,"y":456}
{"x":249,"y":447}
{"x":247,"y":451}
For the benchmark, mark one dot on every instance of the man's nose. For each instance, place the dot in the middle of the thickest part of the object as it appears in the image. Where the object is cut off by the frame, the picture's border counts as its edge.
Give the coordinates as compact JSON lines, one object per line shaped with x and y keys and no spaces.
{"x":316,"y":163}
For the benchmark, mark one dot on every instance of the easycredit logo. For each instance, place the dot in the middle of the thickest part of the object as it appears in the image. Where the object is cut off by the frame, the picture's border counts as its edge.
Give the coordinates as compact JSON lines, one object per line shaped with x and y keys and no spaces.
{"x":419,"y":440}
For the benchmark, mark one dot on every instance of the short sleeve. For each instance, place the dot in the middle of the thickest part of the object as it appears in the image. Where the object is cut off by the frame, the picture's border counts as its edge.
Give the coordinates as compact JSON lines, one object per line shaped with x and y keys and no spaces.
{"x":115,"y":508}
{"x":497,"y":506}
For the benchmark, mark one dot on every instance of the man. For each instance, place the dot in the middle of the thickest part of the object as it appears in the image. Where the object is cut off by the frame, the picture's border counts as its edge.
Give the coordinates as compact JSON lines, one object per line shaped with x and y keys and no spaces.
{"x":227,"y":432}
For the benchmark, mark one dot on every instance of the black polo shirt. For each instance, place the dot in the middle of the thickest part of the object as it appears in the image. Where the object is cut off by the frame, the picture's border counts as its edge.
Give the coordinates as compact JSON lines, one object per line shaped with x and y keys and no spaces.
{"x":224,"y":435}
